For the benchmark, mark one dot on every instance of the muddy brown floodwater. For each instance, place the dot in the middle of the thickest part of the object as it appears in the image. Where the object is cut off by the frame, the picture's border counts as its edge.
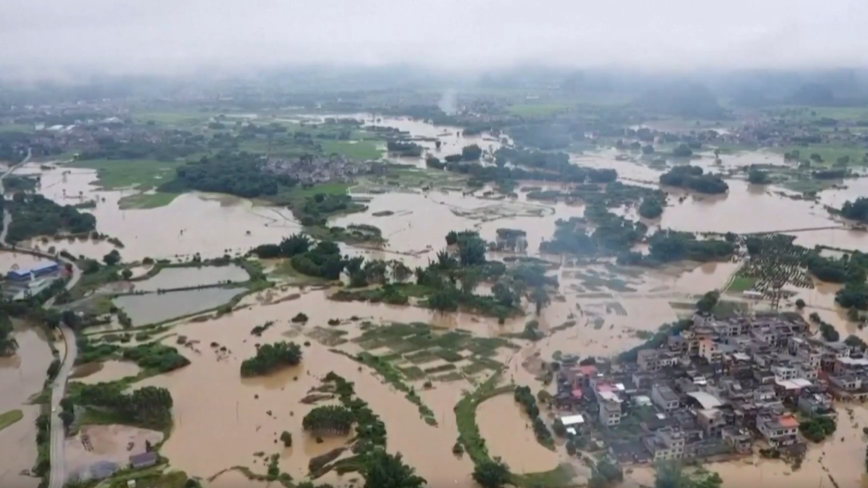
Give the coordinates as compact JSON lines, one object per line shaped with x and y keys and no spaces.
{"x":237,"y":422}
{"x":21,"y":376}
{"x":100,"y":372}
{"x":508,"y":433}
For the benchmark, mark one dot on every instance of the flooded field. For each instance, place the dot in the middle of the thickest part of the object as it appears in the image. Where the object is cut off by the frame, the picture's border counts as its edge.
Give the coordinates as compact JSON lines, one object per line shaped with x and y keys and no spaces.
{"x":92,"y":373}
{"x":21,"y":376}
{"x":18,"y":260}
{"x":170,"y":278}
{"x":508,"y":434}
{"x":600,"y":310}
{"x":211,"y":225}
{"x":253,"y":412}
{"x":105,"y":443}
{"x":157,"y":307}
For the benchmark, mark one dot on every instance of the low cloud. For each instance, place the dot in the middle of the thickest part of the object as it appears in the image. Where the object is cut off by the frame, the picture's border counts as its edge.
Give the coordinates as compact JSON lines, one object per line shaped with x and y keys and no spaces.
{"x":45,"y":38}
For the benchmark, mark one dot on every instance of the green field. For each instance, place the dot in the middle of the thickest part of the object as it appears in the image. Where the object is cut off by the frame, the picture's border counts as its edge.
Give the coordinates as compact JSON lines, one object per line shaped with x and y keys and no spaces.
{"x":10,"y":417}
{"x":16,"y":128}
{"x":829,"y":152}
{"x":352,"y":150}
{"x":740,"y":284}
{"x":123,"y":173}
{"x":147,"y":200}
{"x":174,"y":118}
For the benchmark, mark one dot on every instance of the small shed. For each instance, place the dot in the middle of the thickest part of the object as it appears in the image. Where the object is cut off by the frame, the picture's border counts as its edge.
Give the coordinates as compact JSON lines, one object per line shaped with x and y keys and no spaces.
{"x":143,"y":460}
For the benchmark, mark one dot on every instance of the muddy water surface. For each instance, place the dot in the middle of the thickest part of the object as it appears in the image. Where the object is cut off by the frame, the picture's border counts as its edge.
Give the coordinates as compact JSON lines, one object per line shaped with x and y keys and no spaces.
{"x":157,"y":307}
{"x":508,"y":433}
{"x":21,"y":376}
{"x":92,"y":373}
{"x":251,"y":413}
{"x":18,"y":260}
{"x":194,"y":222}
{"x":169,"y":278}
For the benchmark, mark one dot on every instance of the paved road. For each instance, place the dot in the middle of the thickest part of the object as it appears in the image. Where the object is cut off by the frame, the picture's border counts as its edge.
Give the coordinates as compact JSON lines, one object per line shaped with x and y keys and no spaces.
{"x":58,"y":388}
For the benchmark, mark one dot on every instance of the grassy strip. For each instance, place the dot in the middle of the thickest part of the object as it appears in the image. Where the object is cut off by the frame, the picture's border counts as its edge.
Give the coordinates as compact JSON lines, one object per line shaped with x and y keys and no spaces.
{"x":10,"y":417}
{"x":474,"y":445}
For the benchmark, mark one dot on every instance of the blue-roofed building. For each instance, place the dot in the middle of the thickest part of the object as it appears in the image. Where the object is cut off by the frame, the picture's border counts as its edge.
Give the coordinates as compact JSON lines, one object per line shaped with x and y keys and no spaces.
{"x":41,"y":269}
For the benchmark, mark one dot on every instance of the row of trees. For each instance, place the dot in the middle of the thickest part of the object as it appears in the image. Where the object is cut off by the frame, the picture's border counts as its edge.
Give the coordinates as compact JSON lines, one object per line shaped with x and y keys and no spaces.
{"x":149,"y":405}
{"x":270,"y":357}
{"x":8,"y":344}
{"x":856,"y":210}
{"x":329,"y":419}
{"x":612,"y":234}
{"x":693,"y":178}
{"x":240,"y":174}
{"x":523,"y":396}
{"x":667,"y":246}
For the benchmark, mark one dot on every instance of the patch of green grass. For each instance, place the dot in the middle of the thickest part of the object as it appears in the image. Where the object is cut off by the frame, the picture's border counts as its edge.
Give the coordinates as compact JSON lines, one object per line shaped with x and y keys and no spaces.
{"x":190,"y":118}
{"x":741,"y":283}
{"x":122,"y":173}
{"x":26,"y":128}
{"x":10,"y":417}
{"x":354,"y":150}
{"x":147,"y":200}
{"x":829,"y":152}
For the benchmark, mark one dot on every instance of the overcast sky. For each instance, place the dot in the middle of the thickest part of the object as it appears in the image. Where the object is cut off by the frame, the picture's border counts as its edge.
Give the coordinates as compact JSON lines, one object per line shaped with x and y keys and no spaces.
{"x":43,"y":37}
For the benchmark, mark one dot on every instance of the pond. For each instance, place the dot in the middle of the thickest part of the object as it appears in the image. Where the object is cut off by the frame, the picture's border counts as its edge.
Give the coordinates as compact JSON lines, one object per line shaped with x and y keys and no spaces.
{"x":185,"y":277}
{"x":158,"y":307}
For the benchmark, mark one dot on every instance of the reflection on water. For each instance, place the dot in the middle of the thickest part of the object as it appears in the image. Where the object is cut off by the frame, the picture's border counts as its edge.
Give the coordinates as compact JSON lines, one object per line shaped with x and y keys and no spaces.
{"x":170,"y":278}
{"x":158,"y":307}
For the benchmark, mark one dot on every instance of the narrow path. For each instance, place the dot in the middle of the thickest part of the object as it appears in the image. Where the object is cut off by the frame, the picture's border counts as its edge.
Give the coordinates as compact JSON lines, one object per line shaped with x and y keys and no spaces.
{"x":58,"y":388}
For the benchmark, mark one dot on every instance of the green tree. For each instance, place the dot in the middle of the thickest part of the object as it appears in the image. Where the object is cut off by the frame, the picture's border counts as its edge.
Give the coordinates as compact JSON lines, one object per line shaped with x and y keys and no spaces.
{"x":491,"y":473}
{"x":127,"y":273}
{"x":286,"y":438}
{"x":383,"y":470}
{"x":112,"y":258}
{"x":708,"y":301}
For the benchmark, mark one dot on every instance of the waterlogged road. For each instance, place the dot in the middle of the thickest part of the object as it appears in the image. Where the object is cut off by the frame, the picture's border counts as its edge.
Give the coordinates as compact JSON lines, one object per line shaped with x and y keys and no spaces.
{"x":58,"y":388}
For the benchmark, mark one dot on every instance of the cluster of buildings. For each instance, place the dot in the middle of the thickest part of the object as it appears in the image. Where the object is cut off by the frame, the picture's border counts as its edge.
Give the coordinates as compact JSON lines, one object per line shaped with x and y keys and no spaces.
{"x":23,"y":283}
{"x":718,"y":388}
{"x":309,"y":169}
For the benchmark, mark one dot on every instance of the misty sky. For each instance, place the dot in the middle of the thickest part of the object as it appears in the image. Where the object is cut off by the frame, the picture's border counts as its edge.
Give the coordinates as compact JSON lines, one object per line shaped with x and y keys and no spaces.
{"x":43,"y":37}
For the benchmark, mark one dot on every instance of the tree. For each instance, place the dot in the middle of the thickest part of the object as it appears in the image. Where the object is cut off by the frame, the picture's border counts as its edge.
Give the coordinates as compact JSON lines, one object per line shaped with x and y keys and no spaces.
{"x":540,"y":299}
{"x":400,"y":271}
{"x":127,"y":273}
{"x":329,"y":419}
{"x":682,"y":151}
{"x":471,"y":249}
{"x":112,"y":258}
{"x":758,"y":177}
{"x":286,"y":438}
{"x":650,"y":208}
{"x":708,"y":301}
{"x":800,"y":304}
{"x":471,"y":153}
{"x":383,"y":470}
{"x":492,"y":474}
{"x":271,"y":356}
